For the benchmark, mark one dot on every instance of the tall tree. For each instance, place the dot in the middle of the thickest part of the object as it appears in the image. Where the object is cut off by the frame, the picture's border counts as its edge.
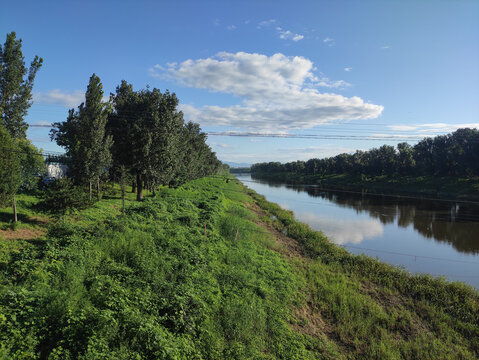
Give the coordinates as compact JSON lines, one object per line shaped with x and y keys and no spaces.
{"x":10,"y":170}
{"x":84,"y":137}
{"x":146,"y":129}
{"x":15,"y":89}
{"x":406,"y":162}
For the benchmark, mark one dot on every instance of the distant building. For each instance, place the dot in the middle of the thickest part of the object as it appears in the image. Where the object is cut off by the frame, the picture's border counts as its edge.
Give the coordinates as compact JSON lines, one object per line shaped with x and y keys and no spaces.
{"x":57,"y":171}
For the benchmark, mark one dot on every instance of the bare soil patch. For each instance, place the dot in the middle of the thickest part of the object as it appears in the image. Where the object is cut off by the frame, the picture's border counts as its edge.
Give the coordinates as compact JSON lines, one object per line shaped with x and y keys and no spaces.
{"x":22,"y":234}
{"x":288,"y":246}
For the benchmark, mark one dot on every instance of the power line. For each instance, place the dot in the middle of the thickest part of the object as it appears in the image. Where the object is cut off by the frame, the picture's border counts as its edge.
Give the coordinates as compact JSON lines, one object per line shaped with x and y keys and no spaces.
{"x":323,"y":136}
{"x":410,"y":255}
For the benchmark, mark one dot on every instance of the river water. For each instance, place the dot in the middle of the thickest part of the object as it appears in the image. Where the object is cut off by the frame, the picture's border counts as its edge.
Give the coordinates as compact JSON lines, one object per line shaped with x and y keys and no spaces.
{"x":437,"y":237}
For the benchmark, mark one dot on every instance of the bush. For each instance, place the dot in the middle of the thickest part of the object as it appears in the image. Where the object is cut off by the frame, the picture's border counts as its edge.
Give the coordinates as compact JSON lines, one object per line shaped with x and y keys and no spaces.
{"x":63,"y":196}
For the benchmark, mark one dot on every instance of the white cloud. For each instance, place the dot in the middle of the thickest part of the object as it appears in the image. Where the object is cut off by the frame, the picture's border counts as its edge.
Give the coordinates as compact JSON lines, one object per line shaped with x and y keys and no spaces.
{"x":288,"y":35}
{"x":329,"y":41}
{"x":432,"y":129}
{"x":277,"y":92}
{"x":68,"y":99}
{"x":265,"y":23}
{"x":325,"y":82}
{"x":57,"y":97}
{"x":400,"y":136}
{"x":342,"y":231}
{"x":348,"y":69}
{"x":43,"y":123}
{"x":224,"y":146}
{"x":310,"y":152}
{"x":386,"y":47}
{"x":231,"y":27}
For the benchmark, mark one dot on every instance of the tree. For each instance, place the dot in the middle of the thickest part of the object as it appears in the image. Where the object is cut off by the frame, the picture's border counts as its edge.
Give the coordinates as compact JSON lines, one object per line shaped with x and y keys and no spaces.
{"x":84,"y":137}
{"x":146,"y":129}
{"x":31,"y":164}
{"x":406,"y":160}
{"x":10,"y":170}
{"x":152,"y":142}
{"x":15,"y":89}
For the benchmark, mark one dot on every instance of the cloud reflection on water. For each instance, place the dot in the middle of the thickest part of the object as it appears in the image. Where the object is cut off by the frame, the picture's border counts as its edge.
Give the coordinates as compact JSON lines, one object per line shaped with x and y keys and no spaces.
{"x":342,"y":231}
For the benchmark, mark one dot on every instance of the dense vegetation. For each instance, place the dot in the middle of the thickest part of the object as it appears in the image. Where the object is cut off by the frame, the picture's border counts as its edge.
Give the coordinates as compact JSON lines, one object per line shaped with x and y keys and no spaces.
{"x":202,"y":268}
{"x":194,"y":273}
{"x":455,"y":154}
{"x":19,"y":159}
{"x":137,"y":136}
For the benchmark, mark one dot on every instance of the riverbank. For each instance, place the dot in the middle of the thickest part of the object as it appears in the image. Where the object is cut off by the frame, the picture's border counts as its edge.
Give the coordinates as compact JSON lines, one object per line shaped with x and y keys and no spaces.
{"x":452,"y":188}
{"x":213,"y":270}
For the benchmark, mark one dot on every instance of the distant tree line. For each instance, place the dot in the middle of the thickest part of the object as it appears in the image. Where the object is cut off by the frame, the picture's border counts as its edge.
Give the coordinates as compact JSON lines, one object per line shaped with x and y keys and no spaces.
{"x":455,"y":154}
{"x":136,"y":136}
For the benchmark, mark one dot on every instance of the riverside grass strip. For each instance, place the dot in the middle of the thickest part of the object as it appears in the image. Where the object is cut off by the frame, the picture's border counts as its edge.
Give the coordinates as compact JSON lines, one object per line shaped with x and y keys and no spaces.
{"x":145,"y":285}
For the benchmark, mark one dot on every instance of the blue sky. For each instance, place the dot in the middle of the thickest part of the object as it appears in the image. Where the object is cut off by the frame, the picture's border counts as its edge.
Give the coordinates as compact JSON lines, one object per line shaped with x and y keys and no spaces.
{"x":347,"y":72}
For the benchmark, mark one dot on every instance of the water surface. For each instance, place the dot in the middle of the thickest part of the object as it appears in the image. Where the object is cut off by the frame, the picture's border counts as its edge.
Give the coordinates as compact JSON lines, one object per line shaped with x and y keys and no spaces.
{"x":437,"y":237}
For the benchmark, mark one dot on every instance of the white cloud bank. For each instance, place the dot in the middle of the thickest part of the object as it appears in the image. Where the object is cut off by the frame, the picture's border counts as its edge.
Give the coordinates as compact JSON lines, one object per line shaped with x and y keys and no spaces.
{"x":68,"y":99}
{"x":277,"y":92}
{"x":343,"y":231}
{"x":433,"y":129}
{"x":57,"y":97}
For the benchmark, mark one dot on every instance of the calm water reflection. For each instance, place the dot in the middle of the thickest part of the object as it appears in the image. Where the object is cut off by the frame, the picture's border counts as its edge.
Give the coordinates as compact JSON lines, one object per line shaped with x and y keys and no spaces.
{"x":427,"y":236}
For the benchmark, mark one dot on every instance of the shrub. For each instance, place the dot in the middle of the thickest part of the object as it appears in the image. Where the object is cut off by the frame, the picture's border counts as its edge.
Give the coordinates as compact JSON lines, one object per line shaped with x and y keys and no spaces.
{"x":63,"y":196}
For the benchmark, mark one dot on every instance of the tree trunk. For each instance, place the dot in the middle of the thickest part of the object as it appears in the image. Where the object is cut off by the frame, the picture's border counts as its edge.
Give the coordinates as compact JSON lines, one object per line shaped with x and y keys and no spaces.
{"x":139,"y":184}
{"x":90,"y":189}
{"x":14,"y":209}
{"x":133,"y":186}
{"x":98,"y":190}
{"x":123,"y":196}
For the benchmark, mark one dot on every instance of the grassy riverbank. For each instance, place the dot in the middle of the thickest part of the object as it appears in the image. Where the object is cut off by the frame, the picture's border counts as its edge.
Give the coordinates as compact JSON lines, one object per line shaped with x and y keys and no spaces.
{"x":447,"y":187}
{"x":211,"y":270}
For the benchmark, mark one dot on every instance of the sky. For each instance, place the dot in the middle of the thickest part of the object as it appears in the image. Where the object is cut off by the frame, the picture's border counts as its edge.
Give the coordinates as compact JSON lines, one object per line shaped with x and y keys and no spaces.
{"x":297,"y":80}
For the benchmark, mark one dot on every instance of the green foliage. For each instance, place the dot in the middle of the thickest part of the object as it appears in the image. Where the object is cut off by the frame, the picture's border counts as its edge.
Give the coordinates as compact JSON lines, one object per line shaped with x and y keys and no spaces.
{"x":31,"y":163}
{"x":152,"y":142}
{"x":63,"y":196}
{"x":455,"y":154}
{"x":148,"y":284}
{"x":84,"y":137}
{"x":378,"y":311}
{"x":10,"y":171}
{"x":15,"y":91}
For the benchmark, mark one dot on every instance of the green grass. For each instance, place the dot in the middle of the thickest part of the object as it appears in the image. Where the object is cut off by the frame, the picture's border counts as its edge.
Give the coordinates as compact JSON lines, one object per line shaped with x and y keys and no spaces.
{"x":192,"y":274}
{"x":375,"y":310}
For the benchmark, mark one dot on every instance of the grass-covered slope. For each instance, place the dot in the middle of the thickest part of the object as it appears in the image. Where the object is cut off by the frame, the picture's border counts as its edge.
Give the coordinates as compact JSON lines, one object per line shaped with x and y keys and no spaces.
{"x":213,"y":271}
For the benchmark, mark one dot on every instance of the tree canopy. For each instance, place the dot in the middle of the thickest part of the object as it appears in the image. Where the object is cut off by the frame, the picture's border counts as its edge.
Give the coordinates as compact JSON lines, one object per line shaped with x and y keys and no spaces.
{"x":151,"y":140}
{"x":455,"y":154}
{"x":84,"y":137}
{"x":16,"y":85}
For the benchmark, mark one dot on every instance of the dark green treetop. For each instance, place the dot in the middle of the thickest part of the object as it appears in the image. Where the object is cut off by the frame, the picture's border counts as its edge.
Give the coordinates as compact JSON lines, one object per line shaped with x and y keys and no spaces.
{"x":15,"y":89}
{"x":84,"y":137}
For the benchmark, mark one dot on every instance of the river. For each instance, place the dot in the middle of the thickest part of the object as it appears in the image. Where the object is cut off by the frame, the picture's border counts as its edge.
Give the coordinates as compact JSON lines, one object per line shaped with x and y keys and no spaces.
{"x":437,"y":237}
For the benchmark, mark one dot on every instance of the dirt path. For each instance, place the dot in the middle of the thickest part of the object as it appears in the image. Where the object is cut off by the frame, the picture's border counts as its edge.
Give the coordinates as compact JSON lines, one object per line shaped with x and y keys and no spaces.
{"x":287,"y":246}
{"x":306,"y":318}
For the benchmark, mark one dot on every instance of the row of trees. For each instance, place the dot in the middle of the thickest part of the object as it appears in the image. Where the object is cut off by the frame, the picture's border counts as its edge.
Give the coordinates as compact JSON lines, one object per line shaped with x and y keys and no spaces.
{"x":19,"y":159}
{"x":455,"y":154}
{"x":138,"y":136}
